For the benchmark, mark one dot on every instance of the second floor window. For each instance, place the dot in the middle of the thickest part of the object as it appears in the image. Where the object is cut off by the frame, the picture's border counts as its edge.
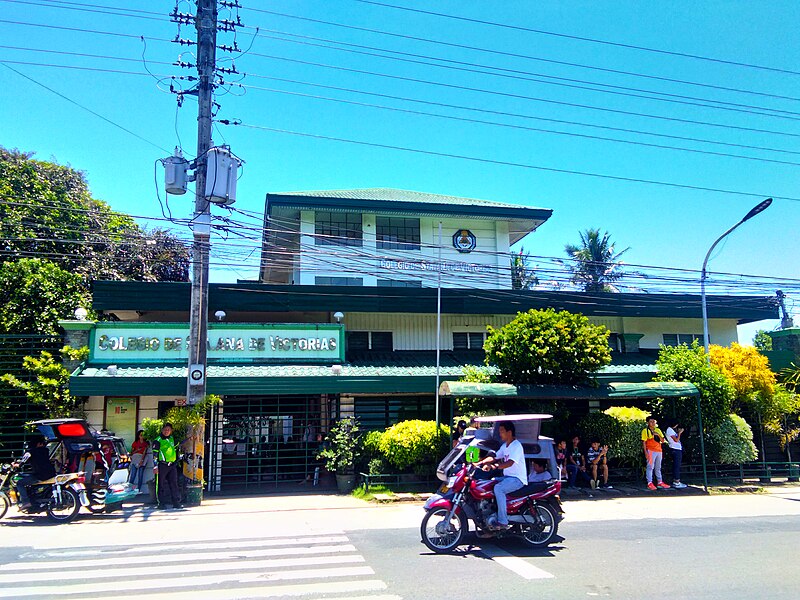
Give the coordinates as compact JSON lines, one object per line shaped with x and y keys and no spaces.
{"x":675,"y":339}
{"x":337,"y":228}
{"x":370,"y":340}
{"x":468,"y":341}
{"x":397,"y":233}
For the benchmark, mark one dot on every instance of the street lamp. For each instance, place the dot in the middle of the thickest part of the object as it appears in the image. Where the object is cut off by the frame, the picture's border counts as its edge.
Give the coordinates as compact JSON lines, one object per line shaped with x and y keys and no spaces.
{"x":758,"y":208}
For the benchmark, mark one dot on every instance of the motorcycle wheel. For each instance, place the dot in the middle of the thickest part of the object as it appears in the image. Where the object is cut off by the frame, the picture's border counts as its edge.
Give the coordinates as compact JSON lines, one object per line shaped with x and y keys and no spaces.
{"x":5,"y":504}
{"x":440,"y":535}
{"x":542,"y":528}
{"x":67,"y":510}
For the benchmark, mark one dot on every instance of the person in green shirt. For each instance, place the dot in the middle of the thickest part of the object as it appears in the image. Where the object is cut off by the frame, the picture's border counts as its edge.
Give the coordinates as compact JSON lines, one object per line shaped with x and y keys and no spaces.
{"x":166,"y":470}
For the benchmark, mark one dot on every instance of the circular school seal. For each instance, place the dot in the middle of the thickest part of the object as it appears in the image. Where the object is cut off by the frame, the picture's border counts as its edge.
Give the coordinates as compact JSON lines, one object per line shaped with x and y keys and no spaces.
{"x":464,"y":240}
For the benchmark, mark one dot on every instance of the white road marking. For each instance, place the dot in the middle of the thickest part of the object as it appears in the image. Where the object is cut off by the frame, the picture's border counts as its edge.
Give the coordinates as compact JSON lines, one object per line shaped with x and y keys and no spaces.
{"x":238,"y":566}
{"x":192,"y":558}
{"x":515,"y":564}
{"x":305,"y":589}
{"x":189,"y":581}
{"x":120,"y":548}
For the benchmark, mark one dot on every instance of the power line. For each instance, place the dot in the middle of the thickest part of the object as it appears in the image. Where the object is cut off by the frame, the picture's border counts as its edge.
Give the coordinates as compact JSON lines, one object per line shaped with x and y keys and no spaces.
{"x":513,"y":164}
{"x":638,"y":132}
{"x":408,"y":79}
{"x":583,"y":39}
{"x":523,"y":97}
{"x":523,"y":56}
{"x":517,"y":74}
{"x":520,"y":127}
{"x":87,"y":109}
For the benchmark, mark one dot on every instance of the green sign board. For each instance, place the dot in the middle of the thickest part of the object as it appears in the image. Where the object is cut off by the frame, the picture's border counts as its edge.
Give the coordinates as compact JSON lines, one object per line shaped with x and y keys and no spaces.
{"x":125,"y":343}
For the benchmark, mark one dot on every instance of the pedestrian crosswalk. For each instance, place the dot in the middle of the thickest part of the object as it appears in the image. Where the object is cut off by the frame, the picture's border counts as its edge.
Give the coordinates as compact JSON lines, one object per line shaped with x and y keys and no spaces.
{"x":297,"y":566}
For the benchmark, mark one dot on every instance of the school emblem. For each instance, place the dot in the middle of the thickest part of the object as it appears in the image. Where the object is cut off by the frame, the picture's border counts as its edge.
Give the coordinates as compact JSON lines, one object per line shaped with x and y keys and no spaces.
{"x":464,"y":240}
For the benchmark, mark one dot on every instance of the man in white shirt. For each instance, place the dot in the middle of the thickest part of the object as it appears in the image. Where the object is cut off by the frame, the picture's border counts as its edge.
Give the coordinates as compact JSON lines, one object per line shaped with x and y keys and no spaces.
{"x":674,"y":432}
{"x":511,"y":458}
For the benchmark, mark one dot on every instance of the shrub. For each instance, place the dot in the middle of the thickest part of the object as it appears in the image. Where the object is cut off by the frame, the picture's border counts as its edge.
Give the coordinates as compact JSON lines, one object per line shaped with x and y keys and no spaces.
{"x":689,"y":363}
{"x":732,"y":441}
{"x":600,"y":425}
{"x":629,"y":448}
{"x":372,"y":441}
{"x":415,"y":442}
{"x":377,"y":466}
{"x":345,"y":446}
{"x":547,"y":347}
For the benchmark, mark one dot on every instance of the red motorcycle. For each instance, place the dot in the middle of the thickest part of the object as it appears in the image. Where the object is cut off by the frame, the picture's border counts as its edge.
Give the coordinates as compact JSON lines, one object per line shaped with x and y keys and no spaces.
{"x":534,"y":512}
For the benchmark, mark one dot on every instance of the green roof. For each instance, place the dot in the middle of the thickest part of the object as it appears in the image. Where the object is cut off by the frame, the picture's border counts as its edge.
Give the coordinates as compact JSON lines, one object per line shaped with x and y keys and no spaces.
{"x":402,"y":202}
{"x":395,"y":195}
{"x":270,"y":298}
{"x":396,"y":372}
{"x":614,"y":390}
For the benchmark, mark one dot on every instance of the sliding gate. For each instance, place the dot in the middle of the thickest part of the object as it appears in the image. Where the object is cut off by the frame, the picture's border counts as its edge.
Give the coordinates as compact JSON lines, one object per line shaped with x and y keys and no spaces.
{"x":268,"y":443}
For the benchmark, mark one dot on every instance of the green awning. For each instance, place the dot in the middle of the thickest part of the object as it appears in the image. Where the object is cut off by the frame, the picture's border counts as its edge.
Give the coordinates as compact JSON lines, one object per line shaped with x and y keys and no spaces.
{"x":614,"y":391}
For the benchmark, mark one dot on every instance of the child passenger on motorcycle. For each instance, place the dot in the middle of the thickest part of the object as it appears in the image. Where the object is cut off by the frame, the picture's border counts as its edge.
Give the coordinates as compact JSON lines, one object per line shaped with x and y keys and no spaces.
{"x":511,"y":459}
{"x":38,"y":458}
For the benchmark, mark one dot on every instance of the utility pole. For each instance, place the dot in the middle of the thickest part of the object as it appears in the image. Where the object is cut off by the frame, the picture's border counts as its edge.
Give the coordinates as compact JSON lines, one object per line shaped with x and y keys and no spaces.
{"x":206,"y":25}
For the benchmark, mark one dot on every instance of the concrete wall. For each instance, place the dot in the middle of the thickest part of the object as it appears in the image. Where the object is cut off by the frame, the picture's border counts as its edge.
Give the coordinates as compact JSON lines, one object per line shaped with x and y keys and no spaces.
{"x":418,"y":331}
{"x":491,"y":255}
{"x":148,"y":409}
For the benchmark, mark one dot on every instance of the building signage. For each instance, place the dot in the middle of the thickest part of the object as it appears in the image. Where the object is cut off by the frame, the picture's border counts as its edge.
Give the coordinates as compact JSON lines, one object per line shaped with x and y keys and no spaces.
{"x":464,"y":240}
{"x":150,"y":343}
{"x":434,"y":266}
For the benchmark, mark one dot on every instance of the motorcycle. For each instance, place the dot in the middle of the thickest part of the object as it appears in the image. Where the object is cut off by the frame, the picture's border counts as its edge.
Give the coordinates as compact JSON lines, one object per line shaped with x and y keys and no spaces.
{"x":60,"y":497}
{"x":75,"y":447}
{"x":534,"y":512}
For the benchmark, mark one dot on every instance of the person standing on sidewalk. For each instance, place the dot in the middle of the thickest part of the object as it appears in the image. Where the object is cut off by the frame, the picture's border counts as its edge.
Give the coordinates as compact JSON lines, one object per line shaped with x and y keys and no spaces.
{"x":166,"y":470}
{"x":674,"y":432}
{"x":652,"y":439}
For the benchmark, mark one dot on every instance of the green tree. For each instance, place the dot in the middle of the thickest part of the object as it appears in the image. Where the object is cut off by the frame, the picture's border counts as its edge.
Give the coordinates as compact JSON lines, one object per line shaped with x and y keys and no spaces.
{"x":762,"y":341}
{"x":547,"y":347}
{"x":46,"y":211}
{"x":785,"y":424}
{"x":689,"y":363}
{"x":48,"y":385}
{"x":522,"y":275}
{"x":596,"y":263}
{"x":35,"y":294}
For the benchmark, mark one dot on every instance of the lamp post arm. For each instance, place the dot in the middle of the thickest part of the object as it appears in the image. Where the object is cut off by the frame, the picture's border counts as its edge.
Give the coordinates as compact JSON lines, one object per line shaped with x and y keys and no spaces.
{"x":703,"y":275}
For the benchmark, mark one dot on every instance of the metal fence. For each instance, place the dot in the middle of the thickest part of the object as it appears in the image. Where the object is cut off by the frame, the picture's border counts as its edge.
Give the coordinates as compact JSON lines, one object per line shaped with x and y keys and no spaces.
{"x":268,"y":443}
{"x":15,"y":409}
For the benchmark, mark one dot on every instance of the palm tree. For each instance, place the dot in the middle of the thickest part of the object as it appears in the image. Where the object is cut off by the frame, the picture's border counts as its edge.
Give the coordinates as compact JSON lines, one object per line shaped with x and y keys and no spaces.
{"x":523,"y":276}
{"x":596,"y":265}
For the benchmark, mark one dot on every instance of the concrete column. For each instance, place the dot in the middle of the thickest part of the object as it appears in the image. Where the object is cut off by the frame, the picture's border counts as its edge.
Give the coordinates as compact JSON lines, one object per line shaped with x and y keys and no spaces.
{"x":76,"y":335}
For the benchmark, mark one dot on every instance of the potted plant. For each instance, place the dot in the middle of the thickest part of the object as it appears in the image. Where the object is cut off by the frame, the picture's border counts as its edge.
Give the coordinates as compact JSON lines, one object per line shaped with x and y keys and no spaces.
{"x":188,"y":431}
{"x":341,"y":452}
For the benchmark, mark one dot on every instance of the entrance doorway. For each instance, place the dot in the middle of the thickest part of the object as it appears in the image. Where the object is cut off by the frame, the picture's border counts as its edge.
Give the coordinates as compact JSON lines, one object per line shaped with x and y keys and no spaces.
{"x":269,"y":443}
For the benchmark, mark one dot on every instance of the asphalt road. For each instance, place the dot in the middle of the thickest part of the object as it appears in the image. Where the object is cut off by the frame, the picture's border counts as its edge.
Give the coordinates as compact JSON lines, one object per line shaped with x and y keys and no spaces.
{"x":331,"y":547}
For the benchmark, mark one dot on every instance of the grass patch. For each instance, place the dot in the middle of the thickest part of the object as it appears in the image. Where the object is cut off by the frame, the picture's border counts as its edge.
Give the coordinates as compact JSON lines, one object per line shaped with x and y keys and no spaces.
{"x":362,"y":494}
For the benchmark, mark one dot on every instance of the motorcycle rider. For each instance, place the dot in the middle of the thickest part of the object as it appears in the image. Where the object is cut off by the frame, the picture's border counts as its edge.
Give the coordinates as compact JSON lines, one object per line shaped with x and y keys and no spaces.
{"x":511,"y":459}
{"x":39,"y":459}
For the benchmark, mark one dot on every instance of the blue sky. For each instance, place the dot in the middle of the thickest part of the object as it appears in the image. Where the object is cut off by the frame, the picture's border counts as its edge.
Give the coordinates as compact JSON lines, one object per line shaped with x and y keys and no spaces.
{"x":664,"y":226}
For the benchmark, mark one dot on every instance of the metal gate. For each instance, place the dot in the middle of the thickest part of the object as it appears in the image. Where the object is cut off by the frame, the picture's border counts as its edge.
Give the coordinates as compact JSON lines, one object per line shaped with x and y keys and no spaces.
{"x":268,"y":443}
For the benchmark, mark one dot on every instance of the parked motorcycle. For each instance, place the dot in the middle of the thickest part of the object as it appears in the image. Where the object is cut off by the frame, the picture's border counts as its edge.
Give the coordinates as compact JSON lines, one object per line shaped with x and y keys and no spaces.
{"x":75,"y":447}
{"x":60,"y":497}
{"x":534,"y":512}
